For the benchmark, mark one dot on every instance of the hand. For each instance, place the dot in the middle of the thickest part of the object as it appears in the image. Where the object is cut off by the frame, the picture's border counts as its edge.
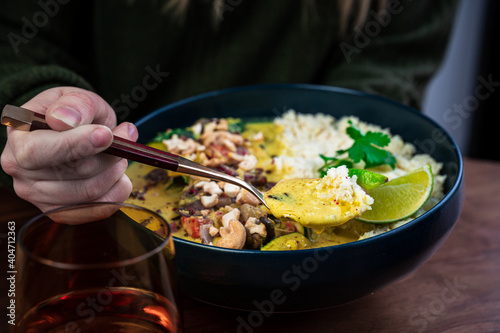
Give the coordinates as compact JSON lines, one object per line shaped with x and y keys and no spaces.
{"x":60,"y":167}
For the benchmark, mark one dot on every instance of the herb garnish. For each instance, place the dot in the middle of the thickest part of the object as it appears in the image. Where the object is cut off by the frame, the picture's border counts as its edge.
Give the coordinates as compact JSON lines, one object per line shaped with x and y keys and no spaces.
{"x":366,"y":147}
{"x":167,"y":135}
{"x":235,"y":125}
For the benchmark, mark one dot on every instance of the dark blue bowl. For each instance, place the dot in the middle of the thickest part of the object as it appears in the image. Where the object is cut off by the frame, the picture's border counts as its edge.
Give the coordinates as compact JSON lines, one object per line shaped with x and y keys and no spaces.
{"x":287,"y":281}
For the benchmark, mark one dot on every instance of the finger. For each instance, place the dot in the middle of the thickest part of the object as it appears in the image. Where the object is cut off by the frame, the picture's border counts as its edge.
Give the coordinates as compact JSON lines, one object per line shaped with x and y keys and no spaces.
{"x":76,"y":169}
{"x":69,"y":107}
{"x":50,"y":194}
{"x":79,"y":214}
{"x":119,"y":192}
{"x":127,"y":131}
{"x":44,"y":149}
{"x":79,"y":169}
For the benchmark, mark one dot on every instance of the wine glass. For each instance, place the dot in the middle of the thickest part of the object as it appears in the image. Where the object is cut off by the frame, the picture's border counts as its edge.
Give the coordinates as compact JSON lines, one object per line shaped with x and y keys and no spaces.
{"x":94,"y":268}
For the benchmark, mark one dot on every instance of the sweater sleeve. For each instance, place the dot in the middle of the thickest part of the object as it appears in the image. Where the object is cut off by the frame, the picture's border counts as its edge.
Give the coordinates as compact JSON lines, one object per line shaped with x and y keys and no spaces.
{"x":397,"y":51}
{"x":35,"y":53}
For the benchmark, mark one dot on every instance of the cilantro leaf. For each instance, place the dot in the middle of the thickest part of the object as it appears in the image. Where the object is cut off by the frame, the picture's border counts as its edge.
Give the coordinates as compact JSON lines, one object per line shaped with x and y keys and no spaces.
{"x":378,"y":139}
{"x":353,"y":131}
{"x":370,"y":154}
{"x":235,"y":125}
{"x":367,"y":147}
{"x":170,"y":132}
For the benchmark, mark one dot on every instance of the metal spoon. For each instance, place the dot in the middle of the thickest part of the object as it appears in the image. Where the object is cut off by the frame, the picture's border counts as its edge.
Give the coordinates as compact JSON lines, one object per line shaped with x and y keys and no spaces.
{"x":27,"y":120}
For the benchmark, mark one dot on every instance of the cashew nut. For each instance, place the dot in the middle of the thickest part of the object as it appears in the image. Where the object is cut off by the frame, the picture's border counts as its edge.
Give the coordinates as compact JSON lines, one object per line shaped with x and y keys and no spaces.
{"x":222,"y":125}
{"x":179,"y":146}
{"x":246,"y":197}
{"x":231,"y":190}
{"x":233,"y":214}
{"x":228,"y":144}
{"x":209,"y":128}
{"x":249,"y":162}
{"x":222,"y":138}
{"x":213,"y":231}
{"x":209,"y":201}
{"x":232,"y":237}
{"x":205,"y":212}
{"x":197,"y":128}
{"x":237,"y":158}
{"x":214,"y":161}
{"x":210,"y":187}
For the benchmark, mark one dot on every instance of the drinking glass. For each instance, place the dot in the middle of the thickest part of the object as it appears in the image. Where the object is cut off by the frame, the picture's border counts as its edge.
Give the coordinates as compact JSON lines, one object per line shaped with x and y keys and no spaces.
{"x":95,"y":268}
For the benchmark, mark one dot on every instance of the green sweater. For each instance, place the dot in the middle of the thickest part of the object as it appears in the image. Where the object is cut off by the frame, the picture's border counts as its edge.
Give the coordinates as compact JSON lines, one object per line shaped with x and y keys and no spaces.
{"x":139,"y":57}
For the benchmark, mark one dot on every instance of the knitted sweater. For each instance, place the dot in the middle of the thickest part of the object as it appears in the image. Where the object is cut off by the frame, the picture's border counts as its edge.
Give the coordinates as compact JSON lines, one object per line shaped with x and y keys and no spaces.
{"x":139,"y":56}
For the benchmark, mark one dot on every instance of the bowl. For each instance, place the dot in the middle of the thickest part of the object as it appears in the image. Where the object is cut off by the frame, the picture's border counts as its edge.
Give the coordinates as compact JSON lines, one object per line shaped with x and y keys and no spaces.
{"x":304,"y":280}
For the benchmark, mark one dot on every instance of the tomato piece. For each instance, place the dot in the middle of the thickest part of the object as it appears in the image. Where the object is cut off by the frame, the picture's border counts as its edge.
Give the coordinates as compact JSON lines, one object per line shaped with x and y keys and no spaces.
{"x":192,"y":225}
{"x":290,"y":227}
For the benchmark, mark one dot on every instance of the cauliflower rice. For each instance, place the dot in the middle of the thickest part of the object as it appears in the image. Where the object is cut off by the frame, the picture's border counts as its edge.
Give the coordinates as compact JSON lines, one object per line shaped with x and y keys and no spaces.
{"x":306,"y":136}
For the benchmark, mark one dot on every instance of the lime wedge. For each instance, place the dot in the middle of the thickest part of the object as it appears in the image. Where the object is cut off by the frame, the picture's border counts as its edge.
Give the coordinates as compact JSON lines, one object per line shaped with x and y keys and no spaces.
{"x":367,"y":179}
{"x":400,"y":197}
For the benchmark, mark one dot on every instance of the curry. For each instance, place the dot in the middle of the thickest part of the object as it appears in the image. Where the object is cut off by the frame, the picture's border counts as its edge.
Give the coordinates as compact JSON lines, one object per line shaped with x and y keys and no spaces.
{"x":310,"y":211}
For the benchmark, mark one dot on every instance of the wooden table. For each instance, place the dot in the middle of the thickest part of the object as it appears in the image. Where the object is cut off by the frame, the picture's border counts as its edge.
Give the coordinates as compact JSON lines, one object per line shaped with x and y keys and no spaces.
{"x":457,"y":290}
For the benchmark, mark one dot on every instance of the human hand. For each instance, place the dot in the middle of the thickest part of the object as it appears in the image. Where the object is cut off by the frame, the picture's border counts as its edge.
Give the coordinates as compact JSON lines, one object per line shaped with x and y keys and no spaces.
{"x":61,"y":167}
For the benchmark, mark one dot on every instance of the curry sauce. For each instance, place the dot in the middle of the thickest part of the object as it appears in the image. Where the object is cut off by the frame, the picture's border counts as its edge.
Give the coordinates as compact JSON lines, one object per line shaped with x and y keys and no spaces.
{"x":177,"y":198}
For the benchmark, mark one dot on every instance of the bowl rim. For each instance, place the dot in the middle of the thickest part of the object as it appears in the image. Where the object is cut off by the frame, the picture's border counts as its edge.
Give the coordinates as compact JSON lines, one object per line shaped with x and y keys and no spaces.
{"x":314,"y":87}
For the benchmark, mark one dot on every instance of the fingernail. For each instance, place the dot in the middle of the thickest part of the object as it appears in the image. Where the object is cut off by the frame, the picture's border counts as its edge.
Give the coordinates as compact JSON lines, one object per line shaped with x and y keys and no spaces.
{"x":67,"y":115}
{"x":132,"y":131}
{"x":100,"y":137}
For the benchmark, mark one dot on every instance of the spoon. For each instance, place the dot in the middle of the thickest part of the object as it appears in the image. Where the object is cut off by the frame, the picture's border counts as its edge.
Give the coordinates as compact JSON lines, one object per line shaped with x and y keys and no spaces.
{"x":27,"y":120}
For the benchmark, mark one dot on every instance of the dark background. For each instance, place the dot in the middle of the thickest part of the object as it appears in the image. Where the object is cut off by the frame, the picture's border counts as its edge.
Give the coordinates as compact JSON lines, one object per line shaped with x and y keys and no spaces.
{"x":485,"y":131}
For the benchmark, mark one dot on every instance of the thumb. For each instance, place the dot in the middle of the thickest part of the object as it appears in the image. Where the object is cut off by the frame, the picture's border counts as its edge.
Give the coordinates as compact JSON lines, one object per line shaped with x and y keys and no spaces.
{"x":64,"y":117}
{"x":69,"y":107}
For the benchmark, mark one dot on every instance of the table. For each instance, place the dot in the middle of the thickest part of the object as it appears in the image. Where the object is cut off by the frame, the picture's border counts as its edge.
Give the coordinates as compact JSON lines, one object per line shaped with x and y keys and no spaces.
{"x":456,"y":290}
